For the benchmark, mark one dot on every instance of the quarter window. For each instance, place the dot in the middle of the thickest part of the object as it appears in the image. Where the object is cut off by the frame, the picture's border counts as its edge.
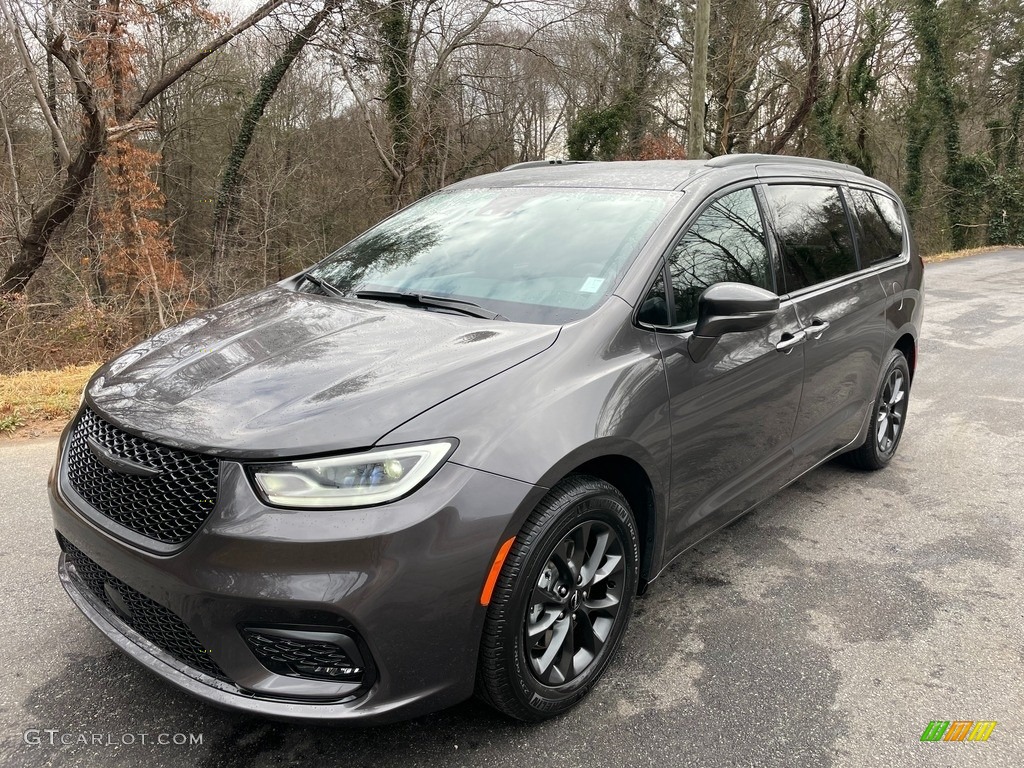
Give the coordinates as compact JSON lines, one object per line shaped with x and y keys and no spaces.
{"x":814,"y":234}
{"x":881,"y":226}
{"x":725,"y":244}
{"x":654,"y":309}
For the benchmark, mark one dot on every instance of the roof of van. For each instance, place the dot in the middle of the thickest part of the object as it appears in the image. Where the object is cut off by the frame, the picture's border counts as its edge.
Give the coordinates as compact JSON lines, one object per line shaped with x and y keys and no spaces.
{"x":638,"y":174}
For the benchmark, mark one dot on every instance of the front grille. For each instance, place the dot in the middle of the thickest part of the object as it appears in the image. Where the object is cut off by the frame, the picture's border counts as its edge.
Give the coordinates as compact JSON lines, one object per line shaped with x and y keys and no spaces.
{"x":168,"y":507}
{"x":157,"y":624}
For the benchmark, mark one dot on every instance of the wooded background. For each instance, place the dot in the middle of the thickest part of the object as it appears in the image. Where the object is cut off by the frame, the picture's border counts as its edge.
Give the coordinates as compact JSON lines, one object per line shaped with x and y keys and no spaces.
{"x":161,"y":157}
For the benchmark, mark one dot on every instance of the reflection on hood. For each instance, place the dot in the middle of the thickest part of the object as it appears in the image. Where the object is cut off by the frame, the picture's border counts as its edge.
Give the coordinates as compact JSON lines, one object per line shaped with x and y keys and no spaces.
{"x":285,"y":373}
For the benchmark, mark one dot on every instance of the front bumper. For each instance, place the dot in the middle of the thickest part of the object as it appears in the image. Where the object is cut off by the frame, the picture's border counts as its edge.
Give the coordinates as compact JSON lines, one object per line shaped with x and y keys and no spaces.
{"x":406,"y":576}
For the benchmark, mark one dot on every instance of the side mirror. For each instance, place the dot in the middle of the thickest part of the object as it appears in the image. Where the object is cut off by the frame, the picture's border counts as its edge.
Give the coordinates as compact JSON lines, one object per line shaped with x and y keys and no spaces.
{"x":729,"y":308}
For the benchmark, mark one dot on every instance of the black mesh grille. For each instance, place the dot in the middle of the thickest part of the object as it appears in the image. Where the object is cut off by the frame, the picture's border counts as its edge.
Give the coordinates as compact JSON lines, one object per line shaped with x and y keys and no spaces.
{"x":150,"y":619}
{"x":316,"y":653}
{"x":285,"y":651}
{"x":168,"y":507}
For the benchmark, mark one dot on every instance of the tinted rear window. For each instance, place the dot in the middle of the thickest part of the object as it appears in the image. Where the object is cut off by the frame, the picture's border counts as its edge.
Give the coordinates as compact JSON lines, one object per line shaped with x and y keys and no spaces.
{"x":881,"y":226}
{"x":814,"y":233}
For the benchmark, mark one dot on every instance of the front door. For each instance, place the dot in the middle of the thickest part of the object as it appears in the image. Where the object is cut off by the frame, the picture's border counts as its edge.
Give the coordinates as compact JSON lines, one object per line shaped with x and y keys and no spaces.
{"x":733,"y":412}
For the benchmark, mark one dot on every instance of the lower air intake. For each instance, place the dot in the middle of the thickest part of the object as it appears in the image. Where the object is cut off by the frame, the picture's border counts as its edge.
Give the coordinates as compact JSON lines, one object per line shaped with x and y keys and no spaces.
{"x":157,"y":624}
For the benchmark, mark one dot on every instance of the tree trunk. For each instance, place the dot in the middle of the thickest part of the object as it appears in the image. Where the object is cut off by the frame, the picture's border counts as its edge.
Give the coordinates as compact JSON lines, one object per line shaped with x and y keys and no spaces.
{"x":396,"y":53}
{"x":638,"y":67}
{"x":46,"y":219}
{"x":919,"y":131}
{"x":230,"y":182}
{"x":699,"y":84}
{"x":935,"y":79}
{"x":1016,"y":113}
{"x":812,"y":27}
{"x":51,"y":93}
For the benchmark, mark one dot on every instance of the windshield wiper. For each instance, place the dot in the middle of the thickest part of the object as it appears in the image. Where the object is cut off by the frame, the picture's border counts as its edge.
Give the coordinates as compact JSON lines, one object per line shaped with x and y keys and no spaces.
{"x":426,"y":300}
{"x":323,"y":285}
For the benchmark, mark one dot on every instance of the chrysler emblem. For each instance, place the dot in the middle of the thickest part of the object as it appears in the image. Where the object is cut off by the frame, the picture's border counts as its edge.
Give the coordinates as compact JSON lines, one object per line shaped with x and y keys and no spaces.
{"x":118,"y":463}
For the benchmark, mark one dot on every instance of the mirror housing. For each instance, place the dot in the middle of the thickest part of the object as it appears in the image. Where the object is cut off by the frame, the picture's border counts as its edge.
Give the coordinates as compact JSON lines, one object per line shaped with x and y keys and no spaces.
{"x":729,"y":308}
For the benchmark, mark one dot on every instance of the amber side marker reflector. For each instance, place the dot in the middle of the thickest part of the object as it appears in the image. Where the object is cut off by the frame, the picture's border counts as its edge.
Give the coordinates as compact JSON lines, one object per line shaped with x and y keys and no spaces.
{"x":492,"y":577}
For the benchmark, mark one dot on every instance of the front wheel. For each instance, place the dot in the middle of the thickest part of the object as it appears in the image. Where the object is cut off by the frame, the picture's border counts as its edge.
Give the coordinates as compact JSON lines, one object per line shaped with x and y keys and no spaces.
{"x":562,"y":601}
{"x":888,"y":416}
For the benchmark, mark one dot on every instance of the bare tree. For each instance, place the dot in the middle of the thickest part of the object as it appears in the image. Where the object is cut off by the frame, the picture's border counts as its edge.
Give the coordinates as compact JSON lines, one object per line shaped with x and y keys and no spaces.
{"x":98,"y":131}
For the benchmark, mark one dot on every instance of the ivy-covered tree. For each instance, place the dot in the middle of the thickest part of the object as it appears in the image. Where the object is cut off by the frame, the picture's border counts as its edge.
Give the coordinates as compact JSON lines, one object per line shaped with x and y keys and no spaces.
{"x":227,"y":198}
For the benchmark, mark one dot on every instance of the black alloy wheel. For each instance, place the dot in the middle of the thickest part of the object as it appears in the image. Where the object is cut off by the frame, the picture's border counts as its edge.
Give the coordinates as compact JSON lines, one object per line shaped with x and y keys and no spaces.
{"x":575,"y":603}
{"x":888,"y":416}
{"x":562,"y":601}
{"x":892,"y":407}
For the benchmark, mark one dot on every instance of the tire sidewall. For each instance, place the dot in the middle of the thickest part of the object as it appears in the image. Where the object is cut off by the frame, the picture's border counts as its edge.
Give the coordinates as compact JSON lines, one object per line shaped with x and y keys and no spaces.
{"x":600,"y":506}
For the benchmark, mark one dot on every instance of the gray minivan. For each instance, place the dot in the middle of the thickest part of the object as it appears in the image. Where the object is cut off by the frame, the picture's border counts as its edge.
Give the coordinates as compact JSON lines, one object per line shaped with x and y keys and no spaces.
{"x":447,"y":457}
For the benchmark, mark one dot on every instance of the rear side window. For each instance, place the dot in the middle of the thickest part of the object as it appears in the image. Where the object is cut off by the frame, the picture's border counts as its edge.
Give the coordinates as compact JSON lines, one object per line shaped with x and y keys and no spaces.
{"x":881,"y":226}
{"x":814,"y":233}
{"x":725,"y":244}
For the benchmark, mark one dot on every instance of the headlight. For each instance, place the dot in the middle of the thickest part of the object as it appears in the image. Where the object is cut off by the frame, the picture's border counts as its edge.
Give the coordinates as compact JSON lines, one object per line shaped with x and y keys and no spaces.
{"x":355,"y":480}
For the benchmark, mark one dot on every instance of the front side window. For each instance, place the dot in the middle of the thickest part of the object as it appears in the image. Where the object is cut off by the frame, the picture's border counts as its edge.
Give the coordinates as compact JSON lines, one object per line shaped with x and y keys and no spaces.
{"x":814,"y":233}
{"x":725,"y":244}
{"x":881,"y":226}
{"x":532,"y":254}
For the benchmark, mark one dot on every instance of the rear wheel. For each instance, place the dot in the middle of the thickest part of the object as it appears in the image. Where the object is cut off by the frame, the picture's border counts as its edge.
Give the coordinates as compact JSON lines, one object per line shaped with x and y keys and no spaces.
{"x":888,"y":416}
{"x":562,"y":601}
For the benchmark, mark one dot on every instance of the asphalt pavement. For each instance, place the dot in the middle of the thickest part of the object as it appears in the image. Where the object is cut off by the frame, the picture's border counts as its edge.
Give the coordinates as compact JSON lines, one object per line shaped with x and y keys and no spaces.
{"x":827,"y":628}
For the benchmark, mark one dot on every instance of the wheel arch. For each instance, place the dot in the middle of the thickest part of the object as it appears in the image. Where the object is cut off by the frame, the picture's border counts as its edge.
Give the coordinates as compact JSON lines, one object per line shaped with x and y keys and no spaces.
{"x":637,"y":481}
{"x":907,"y":344}
{"x":632,"y":482}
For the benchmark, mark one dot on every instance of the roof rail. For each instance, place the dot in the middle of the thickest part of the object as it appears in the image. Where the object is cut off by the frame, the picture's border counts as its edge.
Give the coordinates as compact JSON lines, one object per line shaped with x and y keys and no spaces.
{"x":728,"y":161}
{"x":542,"y":163}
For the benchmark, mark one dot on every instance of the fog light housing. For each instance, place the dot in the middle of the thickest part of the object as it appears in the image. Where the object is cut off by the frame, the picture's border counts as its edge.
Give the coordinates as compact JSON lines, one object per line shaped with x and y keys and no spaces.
{"x":313,"y":654}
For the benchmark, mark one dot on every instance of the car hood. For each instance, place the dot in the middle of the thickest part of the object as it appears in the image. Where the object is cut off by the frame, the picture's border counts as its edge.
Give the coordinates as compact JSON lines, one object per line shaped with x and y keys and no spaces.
{"x":282,"y":373}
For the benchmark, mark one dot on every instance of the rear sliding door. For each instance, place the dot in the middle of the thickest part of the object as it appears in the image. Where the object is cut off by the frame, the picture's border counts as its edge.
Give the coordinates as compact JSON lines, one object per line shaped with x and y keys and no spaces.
{"x":840,"y":306}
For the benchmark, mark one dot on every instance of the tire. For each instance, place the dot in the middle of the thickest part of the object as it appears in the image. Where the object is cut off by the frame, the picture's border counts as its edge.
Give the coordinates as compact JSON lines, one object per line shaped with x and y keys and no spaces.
{"x":888,"y":417}
{"x":536,"y":678}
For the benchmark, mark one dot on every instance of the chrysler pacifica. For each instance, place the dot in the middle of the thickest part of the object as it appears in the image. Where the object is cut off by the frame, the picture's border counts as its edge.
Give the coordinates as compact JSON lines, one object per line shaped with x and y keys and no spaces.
{"x":447,"y":458}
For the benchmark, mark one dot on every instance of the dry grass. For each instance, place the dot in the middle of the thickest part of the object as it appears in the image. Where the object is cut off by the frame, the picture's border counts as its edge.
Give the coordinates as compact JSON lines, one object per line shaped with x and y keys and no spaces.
{"x":949,"y":255}
{"x":35,"y":403}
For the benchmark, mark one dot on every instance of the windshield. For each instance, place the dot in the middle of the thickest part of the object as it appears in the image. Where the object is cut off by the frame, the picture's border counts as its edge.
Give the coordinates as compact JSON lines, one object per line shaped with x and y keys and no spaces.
{"x":531,"y":254}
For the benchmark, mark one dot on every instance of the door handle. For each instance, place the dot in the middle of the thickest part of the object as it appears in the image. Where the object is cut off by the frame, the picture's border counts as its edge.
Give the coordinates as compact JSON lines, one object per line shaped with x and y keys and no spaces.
{"x":817,"y":327}
{"x":790,"y":340}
